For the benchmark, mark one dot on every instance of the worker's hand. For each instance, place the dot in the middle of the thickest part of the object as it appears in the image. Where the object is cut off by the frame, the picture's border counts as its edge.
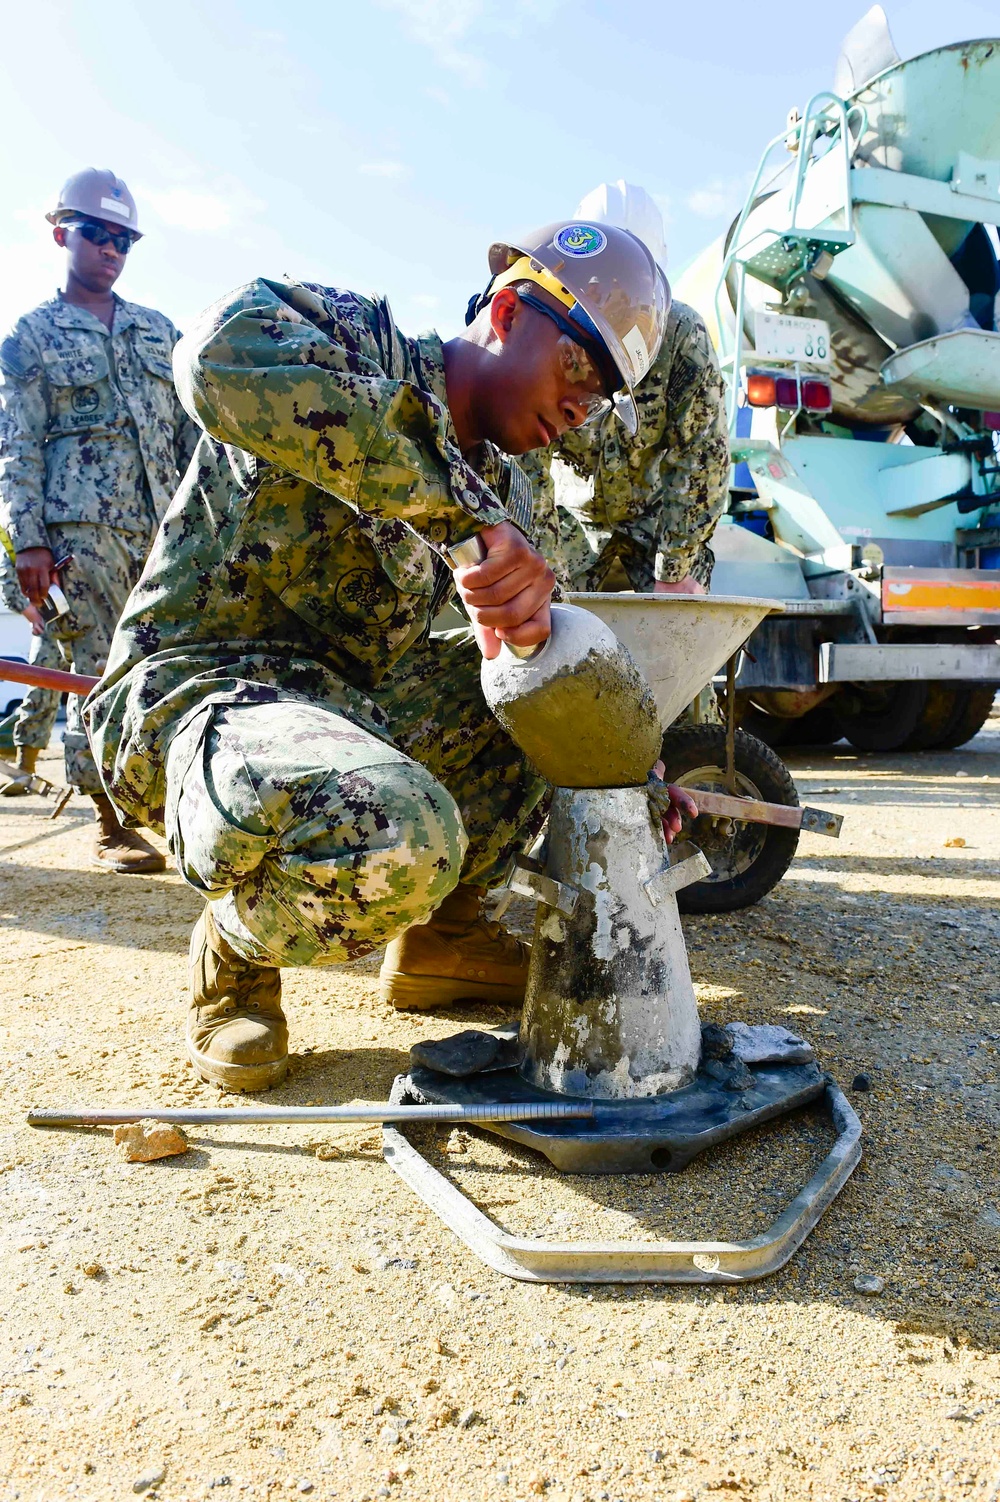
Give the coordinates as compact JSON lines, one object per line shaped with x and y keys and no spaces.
{"x":688,"y":586}
{"x":33,"y":616}
{"x":507,"y":595}
{"x":35,"y":573}
{"x":682,"y":806}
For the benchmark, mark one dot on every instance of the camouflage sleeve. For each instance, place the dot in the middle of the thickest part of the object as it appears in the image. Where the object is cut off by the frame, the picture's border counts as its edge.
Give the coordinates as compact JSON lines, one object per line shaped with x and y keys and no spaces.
{"x":23,"y":420}
{"x":694,"y":467}
{"x":545,"y":531}
{"x":10,"y":590}
{"x":186,"y":435}
{"x":260,"y":375}
{"x":186,"y":432}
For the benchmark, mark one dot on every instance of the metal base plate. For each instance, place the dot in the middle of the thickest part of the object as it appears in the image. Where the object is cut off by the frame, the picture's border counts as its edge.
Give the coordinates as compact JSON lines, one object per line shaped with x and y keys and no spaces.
{"x":656,"y":1134}
{"x":534,"y":1260}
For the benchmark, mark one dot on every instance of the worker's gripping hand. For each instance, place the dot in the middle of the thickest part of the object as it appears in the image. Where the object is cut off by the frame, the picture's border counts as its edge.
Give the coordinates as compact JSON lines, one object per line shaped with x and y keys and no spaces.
{"x":507,"y":595}
{"x":680,"y":806}
{"x":35,"y":619}
{"x":688,"y":586}
{"x":35,"y":573}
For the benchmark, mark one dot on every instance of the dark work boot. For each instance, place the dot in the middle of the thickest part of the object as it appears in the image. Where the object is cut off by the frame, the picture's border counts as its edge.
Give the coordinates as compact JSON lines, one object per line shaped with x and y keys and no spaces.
{"x":454,"y":955}
{"x":119,"y":849}
{"x":236,"y":1031}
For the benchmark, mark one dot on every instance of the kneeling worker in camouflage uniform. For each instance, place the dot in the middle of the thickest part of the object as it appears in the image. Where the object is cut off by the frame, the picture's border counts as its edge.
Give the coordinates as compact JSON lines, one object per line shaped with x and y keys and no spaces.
{"x":93,"y":442}
{"x":325,"y":770}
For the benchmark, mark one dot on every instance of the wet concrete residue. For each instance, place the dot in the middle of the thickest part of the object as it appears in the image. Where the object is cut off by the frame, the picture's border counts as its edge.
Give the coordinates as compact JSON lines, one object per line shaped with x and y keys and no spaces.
{"x":582,"y":711}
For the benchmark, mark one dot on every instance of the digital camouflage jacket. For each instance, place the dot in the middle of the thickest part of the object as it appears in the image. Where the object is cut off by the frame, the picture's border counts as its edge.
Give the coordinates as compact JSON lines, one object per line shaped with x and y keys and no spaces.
{"x":652,"y":501}
{"x":90,"y":426}
{"x":10,"y":590}
{"x":303,"y":548}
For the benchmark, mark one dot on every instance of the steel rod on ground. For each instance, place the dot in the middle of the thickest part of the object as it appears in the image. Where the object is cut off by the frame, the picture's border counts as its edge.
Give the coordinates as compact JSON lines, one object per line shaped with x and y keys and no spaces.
{"x":273,"y":1115}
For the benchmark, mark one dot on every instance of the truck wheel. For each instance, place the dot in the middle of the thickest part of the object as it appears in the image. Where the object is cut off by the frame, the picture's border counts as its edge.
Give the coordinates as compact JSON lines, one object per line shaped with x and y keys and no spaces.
{"x":937,"y":716}
{"x":971,"y":711}
{"x":747,"y":860}
{"x":881,"y":716}
{"x":817,"y":727}
{"x":769,"y":728}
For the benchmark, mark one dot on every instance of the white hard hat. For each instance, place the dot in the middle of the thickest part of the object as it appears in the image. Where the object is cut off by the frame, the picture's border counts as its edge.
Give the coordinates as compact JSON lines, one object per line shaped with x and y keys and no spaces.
{"x":629,"y":207}
{"x":97,"y":193}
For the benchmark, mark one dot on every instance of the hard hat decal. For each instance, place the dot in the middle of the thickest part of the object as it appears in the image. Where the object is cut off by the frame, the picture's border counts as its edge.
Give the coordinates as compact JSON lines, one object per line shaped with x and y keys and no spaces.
{"x":635,"y":347}
{"x":580,"y":240}
{"x":115,"y":207}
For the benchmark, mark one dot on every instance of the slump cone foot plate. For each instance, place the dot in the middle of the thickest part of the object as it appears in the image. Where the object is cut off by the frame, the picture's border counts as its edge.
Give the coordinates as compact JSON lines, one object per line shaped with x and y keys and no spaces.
{"x":658,"y":1134}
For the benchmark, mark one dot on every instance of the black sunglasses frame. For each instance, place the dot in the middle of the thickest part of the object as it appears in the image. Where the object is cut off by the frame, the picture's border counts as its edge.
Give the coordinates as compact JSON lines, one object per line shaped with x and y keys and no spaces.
{"x":99,"y":234}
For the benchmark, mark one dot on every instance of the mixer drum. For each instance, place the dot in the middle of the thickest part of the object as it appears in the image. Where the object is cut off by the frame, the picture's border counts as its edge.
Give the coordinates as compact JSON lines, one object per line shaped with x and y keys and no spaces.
{"x":909,"y":276}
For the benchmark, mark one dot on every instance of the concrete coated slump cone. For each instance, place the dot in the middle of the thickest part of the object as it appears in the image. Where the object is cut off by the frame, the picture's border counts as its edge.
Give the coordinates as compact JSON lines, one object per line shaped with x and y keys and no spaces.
{"x":610,"y":1013}
{"x":679,"y":642}
{"x":578,"y":705}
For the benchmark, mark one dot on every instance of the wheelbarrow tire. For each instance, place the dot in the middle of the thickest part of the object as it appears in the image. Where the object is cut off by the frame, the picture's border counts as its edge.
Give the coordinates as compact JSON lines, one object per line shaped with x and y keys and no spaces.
{"x":748,"y":862}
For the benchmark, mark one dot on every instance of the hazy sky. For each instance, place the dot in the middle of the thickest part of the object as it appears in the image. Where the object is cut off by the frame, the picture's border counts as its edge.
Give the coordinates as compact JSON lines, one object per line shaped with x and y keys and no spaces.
{"x":382,"y":144}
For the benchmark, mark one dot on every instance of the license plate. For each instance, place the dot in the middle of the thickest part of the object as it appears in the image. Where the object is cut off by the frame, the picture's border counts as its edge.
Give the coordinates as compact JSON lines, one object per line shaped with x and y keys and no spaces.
{"x":779,"y":336}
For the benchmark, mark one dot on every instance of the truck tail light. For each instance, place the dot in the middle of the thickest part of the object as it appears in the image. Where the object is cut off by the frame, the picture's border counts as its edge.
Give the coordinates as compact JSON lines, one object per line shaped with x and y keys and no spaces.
{"x":817,"y":396}
{"x":761,"y":391}
{"x":786,"y":391}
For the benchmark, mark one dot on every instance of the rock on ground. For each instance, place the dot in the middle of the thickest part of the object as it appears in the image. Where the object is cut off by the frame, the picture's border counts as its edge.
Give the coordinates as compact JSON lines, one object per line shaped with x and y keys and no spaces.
{"x":146,"y":1141}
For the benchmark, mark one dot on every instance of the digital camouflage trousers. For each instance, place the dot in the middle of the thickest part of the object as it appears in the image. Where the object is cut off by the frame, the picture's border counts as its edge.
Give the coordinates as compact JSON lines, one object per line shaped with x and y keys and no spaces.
{"x":106,"y":563}
{"x":318,"y":838}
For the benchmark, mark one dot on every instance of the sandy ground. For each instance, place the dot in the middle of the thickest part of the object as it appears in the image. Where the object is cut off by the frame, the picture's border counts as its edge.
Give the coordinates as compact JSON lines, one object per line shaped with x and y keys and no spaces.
{"x":275,"y":1313}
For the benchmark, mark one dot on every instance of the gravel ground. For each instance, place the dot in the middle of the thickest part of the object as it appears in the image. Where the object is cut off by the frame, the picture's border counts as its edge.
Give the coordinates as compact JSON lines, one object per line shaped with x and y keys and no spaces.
{"x":274,"y":1313}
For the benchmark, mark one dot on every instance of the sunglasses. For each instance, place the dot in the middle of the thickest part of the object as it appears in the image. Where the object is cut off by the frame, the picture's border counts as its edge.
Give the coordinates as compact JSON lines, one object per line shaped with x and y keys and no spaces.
{"x":99,"y":234}
{"x":581,"y":360}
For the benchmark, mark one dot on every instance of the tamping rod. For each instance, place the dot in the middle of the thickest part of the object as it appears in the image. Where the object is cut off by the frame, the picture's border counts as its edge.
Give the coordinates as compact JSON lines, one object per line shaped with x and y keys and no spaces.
{"x":238,"y":1115}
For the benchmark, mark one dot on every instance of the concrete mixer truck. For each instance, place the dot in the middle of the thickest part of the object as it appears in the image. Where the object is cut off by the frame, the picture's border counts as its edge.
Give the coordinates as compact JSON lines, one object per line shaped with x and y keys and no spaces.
{"x":854,"y":304}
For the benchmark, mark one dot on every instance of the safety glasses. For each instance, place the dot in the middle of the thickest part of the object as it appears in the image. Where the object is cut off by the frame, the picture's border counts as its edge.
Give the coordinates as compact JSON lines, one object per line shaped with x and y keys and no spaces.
{"x":581,"y":361}
{"x":99,"y":234}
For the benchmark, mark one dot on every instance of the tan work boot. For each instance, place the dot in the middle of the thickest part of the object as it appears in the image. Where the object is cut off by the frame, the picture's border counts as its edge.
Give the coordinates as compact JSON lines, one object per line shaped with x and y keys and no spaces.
{"x":236,"y":1031}
{"x":455,"y":955}
{"x":119,"y":849}
{"x":27,"y":760}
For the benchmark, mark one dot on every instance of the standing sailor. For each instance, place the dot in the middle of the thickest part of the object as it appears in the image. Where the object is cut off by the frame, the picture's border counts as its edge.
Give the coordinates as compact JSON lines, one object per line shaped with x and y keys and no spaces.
{"x":93,"y":442}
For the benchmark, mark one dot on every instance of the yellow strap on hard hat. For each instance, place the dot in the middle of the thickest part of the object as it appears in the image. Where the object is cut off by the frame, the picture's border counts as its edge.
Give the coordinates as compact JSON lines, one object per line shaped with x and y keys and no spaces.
{"x":525,"y":269}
